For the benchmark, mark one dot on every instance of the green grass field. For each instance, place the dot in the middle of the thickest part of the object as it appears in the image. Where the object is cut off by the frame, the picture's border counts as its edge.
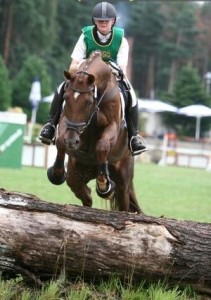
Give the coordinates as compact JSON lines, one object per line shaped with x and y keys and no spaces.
{"x":174,"y":192}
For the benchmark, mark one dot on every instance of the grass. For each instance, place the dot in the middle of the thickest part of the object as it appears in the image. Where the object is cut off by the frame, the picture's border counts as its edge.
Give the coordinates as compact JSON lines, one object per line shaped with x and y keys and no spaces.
{"x":112,"y":290}
{"x":175,"y":192}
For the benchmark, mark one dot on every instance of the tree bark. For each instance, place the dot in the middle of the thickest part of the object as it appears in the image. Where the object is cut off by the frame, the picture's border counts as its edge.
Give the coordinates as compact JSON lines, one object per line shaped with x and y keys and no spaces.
{"x":41,"y":240}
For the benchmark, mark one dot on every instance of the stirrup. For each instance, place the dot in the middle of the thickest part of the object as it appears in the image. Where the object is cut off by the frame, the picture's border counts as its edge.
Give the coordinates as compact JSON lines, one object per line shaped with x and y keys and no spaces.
{"x":142,"y":141}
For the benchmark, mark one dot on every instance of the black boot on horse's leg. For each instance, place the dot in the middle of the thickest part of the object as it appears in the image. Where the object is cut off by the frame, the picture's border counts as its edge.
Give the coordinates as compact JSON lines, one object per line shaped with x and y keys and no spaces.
{"x":135,"y":140}
{"x":104,"y":180}
{"x":47,"y":133}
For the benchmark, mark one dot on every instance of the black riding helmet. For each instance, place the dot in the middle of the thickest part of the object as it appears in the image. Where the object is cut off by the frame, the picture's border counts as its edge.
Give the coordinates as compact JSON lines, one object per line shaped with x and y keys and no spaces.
{"x":104,"y":11}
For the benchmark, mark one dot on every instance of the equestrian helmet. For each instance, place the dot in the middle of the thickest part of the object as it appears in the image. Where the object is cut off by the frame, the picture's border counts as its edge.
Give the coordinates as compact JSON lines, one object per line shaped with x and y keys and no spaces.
{"x":104,"y":11}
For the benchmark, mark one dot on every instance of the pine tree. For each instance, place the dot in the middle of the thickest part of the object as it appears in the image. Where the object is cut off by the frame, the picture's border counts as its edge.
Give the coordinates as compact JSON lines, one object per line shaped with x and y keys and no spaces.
{"x":5,"y":87}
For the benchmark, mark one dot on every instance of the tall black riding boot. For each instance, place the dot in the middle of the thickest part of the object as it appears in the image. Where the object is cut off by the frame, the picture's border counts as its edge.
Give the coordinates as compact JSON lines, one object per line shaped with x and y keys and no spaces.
{"x":47,"y":134}
{"x":135,"y":140}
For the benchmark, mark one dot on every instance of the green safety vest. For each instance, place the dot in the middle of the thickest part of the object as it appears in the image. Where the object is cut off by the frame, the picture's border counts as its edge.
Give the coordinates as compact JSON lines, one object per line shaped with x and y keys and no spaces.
{"x":110,"y":51}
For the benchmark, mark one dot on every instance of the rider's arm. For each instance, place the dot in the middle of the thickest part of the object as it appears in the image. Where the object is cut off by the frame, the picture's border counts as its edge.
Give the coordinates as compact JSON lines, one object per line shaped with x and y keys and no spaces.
{"x":122,"y":56}
{"x":73,"y":66}
{"x":78,"y":54}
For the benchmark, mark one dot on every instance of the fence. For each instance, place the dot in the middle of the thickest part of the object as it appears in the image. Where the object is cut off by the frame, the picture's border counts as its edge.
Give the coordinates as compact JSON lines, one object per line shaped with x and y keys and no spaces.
{"x":163,"y":152}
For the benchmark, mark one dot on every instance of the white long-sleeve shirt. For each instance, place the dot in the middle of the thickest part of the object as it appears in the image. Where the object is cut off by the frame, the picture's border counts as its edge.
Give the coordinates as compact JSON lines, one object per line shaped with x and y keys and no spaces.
{"x":79,"y":52}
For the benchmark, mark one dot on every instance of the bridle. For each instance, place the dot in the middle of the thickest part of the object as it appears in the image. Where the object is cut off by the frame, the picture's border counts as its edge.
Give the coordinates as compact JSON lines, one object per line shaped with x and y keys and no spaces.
{"x":79,"y":127}
{"x":79,"y":90}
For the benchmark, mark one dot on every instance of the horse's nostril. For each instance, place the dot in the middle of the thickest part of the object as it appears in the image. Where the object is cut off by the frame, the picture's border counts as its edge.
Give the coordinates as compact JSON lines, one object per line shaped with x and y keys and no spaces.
{"x":71,"y":143}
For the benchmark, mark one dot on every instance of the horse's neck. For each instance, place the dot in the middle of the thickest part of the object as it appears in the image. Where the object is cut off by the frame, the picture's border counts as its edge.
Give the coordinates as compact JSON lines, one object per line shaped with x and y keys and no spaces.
{"x":101,"y":72}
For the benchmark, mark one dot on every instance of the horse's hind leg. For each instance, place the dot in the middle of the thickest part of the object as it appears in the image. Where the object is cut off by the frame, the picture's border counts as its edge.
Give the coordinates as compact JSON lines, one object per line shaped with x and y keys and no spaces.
{"x":125,"y":200}
{"x":133,"y":203}
{"x":56,"y":173}
{"x":124,"y":197}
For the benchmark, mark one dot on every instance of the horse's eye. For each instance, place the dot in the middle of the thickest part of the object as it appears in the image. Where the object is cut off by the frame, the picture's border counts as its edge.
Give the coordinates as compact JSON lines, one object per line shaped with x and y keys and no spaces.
{"x":89,"y":103}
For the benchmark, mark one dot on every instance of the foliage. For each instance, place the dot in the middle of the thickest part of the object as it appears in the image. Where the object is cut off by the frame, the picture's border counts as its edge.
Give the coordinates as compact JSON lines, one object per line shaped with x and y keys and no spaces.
{"x":5,"y":87}
{"x":149,"y":34}
{"x":32,"y":67}
{"x":164,"y":36}
{"x":188,"y":89}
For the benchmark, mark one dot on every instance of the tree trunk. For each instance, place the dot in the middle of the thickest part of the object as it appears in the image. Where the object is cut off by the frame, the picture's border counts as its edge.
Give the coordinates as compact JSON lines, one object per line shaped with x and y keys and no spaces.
{"x":8,"y":32}
{"x":174,"y":65}
{"x":39,"y":239}
{"x":150,"y":88}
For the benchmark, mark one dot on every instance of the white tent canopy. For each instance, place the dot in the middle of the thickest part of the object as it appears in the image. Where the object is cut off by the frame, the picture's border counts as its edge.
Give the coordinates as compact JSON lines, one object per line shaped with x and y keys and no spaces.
{"x":198,"y":111}
{"x":48,"y":99}
{"x":153,"y":121}
{"x":155,"y":106}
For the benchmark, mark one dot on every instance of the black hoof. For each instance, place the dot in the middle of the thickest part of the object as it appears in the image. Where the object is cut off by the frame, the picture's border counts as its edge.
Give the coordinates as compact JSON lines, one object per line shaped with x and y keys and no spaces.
{"x":107,"y":194}
{"x":57,"y":180}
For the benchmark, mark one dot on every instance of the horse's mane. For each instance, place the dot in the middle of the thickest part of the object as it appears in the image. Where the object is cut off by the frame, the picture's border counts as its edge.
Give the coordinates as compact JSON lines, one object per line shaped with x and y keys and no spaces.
{"x":94,"y":56}
{"x":96,"y":66}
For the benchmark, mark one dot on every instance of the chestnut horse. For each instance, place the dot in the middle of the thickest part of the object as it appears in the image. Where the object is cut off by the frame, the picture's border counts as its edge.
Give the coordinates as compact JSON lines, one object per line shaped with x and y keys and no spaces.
{"x":93,"y":134}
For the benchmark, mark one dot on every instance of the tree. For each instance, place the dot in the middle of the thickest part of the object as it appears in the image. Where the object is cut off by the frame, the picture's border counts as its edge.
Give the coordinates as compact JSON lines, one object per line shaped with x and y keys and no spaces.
{"x":5,"y":87}
{"x":188,"y":89}
{"x":146,"y":29}
{"x":166,"y":35}
{"x":202,"y":59}
{"x":180,"y":43}
{"x":32,"y":67}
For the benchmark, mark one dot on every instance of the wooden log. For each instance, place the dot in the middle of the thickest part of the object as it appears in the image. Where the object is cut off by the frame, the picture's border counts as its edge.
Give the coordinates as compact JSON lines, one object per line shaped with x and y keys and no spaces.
{"x":40,"y":240}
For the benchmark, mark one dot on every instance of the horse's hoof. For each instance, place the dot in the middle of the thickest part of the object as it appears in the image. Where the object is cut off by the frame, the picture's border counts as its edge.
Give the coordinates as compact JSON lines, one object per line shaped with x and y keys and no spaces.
{"x":57,"y":180}
{"x":108,"y":193}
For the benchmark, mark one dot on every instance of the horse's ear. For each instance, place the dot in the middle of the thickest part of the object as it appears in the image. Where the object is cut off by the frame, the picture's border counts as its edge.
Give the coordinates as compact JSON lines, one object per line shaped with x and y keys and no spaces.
{"x":90,"y":79}
{"x":67,"y":75}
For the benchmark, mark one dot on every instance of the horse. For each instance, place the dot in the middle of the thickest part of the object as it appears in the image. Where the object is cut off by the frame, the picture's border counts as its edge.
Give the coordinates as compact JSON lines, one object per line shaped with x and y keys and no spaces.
{"x":93,"y":135}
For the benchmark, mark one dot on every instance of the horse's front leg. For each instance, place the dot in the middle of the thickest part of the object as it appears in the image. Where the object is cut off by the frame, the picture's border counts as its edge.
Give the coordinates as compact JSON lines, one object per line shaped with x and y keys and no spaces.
{"x":104,"y":185}
{"x":56,"y":174}
{"x":78,"y":175}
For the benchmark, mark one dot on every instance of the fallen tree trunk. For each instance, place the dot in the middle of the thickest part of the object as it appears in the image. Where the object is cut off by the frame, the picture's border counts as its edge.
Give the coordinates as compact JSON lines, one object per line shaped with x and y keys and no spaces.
{"x":40,"y":240}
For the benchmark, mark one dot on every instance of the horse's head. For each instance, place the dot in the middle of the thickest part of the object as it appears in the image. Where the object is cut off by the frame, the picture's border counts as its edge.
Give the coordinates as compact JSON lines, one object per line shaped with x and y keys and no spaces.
{"x":85,"y":92}
{"x":79,"y":105}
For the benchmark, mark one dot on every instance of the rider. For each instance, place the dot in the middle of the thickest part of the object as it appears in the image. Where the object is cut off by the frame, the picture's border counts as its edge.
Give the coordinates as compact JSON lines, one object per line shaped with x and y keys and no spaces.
{"x":114,"y":46}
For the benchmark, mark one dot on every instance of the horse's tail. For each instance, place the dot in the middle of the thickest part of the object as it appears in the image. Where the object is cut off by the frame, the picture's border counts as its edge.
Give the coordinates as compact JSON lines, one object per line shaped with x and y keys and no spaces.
{"x":133,"y":202}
